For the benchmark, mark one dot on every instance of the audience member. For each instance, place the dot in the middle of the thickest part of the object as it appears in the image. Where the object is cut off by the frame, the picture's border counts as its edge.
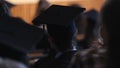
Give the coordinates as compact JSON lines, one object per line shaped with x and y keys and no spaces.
{"x":110,"y":13}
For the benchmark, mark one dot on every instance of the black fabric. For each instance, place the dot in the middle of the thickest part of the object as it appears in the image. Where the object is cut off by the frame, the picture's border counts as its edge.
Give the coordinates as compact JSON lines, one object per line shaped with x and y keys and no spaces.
{"x":59,"y":15}
{"x":62,"y":36}
{"x":110,"y":17}
{"x":60,"y":24}
{"x":16,"y":32}
{"x":7,"y":51}
{"x":61,"y":61}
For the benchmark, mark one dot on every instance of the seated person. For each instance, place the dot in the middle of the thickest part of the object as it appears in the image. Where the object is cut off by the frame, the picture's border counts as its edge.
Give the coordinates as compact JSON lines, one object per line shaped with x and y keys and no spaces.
{"x":110,"y":13}
{"x":61,"y":28}
{"x":18,"y":38}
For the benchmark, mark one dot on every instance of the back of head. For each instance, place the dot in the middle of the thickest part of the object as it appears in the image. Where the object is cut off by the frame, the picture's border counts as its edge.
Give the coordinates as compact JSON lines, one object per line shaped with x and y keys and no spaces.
{"x":42,"y":6}
{"x":110,"y":13}
{"x":80,"y":21}
{"x":110,"y":16}
{"x":3,"y":8}
{"x":92,"y":21}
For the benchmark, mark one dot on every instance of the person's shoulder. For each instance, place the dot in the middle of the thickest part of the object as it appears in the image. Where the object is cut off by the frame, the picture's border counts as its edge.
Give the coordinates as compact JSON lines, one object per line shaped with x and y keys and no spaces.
{"x":9,"y":18}
{"x":17,"y":20}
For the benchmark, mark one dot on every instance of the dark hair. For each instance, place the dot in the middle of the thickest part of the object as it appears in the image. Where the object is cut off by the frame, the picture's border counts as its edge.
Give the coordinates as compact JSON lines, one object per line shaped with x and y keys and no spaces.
{"x":110,"y":13}
{"x":3,"y":8}
{"x":41,"y":6}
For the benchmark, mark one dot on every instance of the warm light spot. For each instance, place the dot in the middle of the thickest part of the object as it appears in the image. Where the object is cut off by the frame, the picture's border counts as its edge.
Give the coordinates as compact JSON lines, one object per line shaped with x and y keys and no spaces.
{"x":35,"y":1}
{"x":22,"y":1}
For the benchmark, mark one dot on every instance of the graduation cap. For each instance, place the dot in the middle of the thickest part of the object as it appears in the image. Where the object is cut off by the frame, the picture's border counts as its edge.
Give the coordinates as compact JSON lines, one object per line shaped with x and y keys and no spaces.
{"x":19,"y":34}
{"x":60,"y":23}
{"x":59,"y":15}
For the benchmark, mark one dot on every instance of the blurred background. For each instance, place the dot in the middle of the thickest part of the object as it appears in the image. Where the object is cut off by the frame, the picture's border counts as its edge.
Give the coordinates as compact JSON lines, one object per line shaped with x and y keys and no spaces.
{"x":26,"y":9}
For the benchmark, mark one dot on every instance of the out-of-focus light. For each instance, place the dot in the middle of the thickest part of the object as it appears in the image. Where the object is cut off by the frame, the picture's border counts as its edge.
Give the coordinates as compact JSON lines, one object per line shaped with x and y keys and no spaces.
{"x":35,"y":1}
{"x":22,"y":1}
{"x":62,"y":0}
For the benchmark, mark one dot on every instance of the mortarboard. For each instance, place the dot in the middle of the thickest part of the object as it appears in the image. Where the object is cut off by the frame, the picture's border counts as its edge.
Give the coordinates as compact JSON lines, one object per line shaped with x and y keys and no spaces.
{"x":19,"y":34}
{"x":59,"y":15}
{"x":60,"y":23}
